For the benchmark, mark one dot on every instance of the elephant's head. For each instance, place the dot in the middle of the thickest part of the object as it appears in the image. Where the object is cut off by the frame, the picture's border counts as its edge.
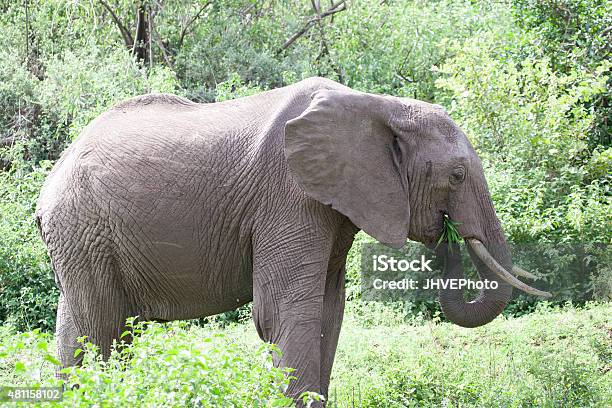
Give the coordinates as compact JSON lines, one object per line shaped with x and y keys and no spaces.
{"x":395,"y":167}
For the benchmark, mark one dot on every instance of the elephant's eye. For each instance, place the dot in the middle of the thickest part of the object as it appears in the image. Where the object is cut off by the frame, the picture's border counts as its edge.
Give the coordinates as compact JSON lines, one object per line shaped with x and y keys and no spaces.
{"x":458,"y":175}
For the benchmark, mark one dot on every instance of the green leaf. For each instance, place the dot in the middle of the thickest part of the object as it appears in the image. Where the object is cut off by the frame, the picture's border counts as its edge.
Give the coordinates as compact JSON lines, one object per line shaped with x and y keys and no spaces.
{"x":449,"y":232}
{"x":20,"y":367}
{"x":52,"y":360}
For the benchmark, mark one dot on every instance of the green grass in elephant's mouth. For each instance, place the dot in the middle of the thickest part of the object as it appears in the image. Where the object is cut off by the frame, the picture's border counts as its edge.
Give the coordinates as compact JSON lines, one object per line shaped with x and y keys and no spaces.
{"x":449,"y":231}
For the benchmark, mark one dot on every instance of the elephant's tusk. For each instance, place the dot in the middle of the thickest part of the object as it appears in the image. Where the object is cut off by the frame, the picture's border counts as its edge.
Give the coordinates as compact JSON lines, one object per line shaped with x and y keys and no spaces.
{"x":481,"y":251}
{"x":521,"y":272}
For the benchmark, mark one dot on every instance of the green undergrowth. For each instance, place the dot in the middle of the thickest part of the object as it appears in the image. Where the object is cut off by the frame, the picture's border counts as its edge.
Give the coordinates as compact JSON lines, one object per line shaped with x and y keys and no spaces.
{"x":554,"y":357}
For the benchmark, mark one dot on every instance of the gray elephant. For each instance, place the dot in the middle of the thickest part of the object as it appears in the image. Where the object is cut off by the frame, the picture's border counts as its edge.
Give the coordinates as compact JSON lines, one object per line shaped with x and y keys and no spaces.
{"x":168,"y":209}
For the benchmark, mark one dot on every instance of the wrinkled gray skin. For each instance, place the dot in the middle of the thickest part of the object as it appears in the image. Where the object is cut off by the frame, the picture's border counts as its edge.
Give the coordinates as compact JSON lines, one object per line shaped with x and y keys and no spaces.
{"x":168,"y":209}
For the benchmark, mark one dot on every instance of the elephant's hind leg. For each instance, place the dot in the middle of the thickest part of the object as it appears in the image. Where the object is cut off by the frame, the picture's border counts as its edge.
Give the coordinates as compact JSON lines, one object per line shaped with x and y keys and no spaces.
{"x":66,"y":335}
{"x":93,"y":304}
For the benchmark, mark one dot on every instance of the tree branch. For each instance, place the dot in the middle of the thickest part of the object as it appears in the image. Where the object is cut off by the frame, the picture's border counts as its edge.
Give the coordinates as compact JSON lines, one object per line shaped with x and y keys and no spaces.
{"x":150,"y":38}
{"x":127,"y":37}
{"x":190,"y":22}
{"x":139,"y":48}
{"x":162,"y":47}
{"x":333,"y":9}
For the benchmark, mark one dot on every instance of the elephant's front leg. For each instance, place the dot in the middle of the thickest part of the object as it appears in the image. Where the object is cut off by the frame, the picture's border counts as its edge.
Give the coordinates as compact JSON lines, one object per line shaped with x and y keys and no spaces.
{"x":333,"y":312}
{"x":288,"y":298}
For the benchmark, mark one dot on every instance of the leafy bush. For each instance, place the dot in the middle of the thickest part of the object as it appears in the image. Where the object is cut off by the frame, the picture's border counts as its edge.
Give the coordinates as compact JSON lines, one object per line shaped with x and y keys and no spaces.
{"x":232,"y":45}
{"x":234,"y":88}
{"x":392,"y":48}
{"x":577,"y":35}
{"x":556,"y":356}
{"x":553,"y":357}
{"x":531,"y":127}
{"x":173,"y":365}
{"x":28,"y":296}
{"x":21,"y":117}
{"x":80,"y":85}
{"x":48,"y":113}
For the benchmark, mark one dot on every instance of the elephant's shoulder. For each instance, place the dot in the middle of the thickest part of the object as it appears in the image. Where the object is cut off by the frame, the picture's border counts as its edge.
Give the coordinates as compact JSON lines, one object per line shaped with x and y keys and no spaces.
{"x":155,"y":99}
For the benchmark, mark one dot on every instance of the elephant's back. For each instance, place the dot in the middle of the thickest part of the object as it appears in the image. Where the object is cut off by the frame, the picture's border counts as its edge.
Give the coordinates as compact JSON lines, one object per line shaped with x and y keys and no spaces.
{"x":120,"y":155}
{"x":155,"y":147}
{"x":155,"y":181}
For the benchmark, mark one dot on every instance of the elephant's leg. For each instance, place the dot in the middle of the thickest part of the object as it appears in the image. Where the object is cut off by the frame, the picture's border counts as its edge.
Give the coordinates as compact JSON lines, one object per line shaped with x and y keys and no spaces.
{"x":103,"y":319}
{"x":333,"y":311}
{"x":288,"y":294}
{"x":93,"y":304}
{"x":66,"y":335}
{"x":333,"y":302}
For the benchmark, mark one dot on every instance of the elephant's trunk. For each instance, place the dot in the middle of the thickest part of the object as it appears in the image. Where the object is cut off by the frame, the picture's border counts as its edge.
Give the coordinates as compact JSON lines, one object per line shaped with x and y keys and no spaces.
{"x":488,"y":249}
{"x":490,"y":302}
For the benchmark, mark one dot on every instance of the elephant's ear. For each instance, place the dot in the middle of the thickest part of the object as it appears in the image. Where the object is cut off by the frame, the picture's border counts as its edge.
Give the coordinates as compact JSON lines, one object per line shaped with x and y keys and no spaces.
{"x":342,"y":151}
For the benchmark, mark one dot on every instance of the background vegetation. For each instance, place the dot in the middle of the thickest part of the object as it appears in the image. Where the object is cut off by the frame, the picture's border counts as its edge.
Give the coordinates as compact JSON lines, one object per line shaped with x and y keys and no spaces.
{"x":528,"y":81}
{"x":550,"y":358}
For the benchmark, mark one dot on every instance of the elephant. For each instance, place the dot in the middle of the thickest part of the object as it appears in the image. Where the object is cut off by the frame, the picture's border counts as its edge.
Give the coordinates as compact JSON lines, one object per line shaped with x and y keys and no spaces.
{"x":168,"y":209}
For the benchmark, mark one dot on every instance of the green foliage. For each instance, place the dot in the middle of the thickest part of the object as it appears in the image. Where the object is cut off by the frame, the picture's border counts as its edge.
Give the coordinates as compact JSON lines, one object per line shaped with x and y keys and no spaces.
{"x":28,"y":296}
{"x":573,"y":31}
{"x":449,"y":232}
{"x":79,"y":85}
{"x":392,"y":48}
{"x":533,"y":128}
{"x":232,"y":43}
{"x":234,"y":88}
{"x":553,"y":357}
{"x":556,"y":356}
{"x":353,"y":266}
{"x":576,"y":35}
{"x":66,"y":77}
{"x":164,"y":366}
{"x":520,"y":115}
{"x":74,"y":96}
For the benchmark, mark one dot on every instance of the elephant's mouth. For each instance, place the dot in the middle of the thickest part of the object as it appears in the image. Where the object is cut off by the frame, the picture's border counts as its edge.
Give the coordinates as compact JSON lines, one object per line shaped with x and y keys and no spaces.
{"x":431,"y":236}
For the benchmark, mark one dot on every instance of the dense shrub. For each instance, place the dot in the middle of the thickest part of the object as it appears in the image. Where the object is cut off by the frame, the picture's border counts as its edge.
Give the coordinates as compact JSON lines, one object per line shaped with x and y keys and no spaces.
{"x":555,"y":357}
{"x":165,"y":366}
{"x":532,"y":129}
{"x":28,"y":296}
{"x":576,"y":35}
{"x":393,"y":48}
